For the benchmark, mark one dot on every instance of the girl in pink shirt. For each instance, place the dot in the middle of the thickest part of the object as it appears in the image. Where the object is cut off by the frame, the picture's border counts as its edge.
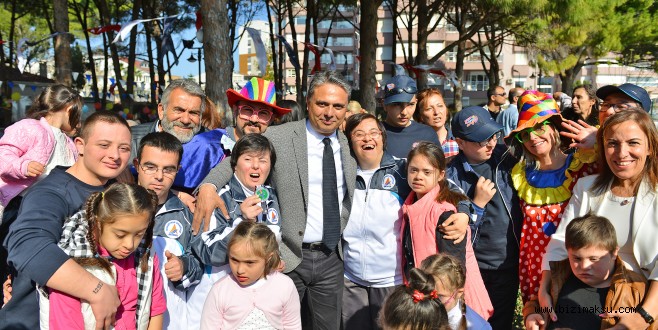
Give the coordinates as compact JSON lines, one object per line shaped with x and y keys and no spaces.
{"x":111,"y":238}
{"x":32,"y":147}
{"x":255,"y":295}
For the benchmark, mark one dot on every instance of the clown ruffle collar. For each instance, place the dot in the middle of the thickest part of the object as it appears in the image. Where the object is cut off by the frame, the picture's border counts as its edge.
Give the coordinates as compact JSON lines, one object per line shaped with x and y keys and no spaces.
{"x":545,"y":187}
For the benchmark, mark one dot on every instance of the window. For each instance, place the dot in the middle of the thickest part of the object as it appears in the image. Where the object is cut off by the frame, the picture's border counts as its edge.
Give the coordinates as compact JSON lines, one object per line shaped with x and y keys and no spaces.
{"x":290,"y":73}
{"x":477,"y":82}
{"x":300,"y":20}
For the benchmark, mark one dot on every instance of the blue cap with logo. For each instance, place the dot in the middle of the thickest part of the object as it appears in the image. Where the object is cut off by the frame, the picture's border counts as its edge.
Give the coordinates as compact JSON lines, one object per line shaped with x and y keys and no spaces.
{"x":635,"y":92}
{"x":399,"y":89}
{"x":474,"y":124}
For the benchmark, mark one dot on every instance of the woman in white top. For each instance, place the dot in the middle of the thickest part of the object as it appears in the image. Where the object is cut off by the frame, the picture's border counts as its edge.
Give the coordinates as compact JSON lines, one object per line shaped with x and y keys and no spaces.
{"x":626,"y":193}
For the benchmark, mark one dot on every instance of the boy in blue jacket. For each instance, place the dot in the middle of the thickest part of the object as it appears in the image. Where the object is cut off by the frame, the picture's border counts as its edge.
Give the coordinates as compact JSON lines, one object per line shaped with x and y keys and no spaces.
{"x":482,"y":170}
{"x":157,"y":163}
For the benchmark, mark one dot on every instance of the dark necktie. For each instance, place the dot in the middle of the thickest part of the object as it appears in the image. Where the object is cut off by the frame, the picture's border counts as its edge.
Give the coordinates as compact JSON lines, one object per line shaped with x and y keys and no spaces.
{"x":330,"y":208}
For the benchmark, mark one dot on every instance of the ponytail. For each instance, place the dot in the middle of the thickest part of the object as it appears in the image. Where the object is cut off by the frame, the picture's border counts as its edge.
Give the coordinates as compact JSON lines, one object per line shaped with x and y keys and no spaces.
{"x":415,"y":306}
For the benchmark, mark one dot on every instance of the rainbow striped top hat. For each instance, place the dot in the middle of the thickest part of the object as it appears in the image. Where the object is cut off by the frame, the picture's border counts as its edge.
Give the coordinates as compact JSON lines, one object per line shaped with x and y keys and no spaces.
{"x":260,"y":91}
{"x":536,"y":107}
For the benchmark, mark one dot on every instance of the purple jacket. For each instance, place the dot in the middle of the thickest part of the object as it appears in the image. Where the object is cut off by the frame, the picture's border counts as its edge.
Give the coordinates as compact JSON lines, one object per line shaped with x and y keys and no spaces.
{"x":25,"y":141}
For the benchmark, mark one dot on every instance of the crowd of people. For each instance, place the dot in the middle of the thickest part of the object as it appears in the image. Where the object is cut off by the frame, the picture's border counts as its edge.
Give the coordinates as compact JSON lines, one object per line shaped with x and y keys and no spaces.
{"x":333,"y":219}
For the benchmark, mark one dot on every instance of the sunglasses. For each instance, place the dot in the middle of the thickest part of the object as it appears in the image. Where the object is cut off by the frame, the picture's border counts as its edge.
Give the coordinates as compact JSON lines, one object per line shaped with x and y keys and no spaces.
{"x":246,"y":112}
{"x":399,"y":90}
{"x":537,"y":130}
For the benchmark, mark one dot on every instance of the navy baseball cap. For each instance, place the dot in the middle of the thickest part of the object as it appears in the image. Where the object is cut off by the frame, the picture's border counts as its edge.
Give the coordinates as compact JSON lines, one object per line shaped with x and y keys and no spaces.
{"x":474,"y":124}
{"x":635,"y":92}
{"x":399,"y":89}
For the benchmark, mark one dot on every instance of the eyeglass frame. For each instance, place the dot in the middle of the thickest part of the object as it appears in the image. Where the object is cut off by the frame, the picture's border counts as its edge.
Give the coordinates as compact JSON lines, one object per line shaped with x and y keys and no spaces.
{"x":532,"y":130}
{"x":166,"y":171}
{"x":605,"y":106}
{"x":399,"y":90}
{"x":495,"y":137}
{"x":378,"y":134}
{"x":256,"y":111}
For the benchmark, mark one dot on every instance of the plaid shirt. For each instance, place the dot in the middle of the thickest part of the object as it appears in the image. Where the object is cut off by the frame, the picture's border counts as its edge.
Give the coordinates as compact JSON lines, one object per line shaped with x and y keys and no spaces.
{"x":74,"y":243}
{"x":450,"y":147}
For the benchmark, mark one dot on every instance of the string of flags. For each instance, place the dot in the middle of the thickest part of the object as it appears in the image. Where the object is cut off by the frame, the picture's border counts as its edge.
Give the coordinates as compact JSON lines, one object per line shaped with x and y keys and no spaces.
{"x":167,"y":46}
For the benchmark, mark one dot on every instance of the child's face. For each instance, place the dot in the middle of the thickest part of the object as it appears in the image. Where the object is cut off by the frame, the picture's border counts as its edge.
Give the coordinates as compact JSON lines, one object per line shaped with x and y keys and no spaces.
{"x":253,"y":168}
{"x":122,"y":237}
{"x":246,"y":266}
{"x":592,"y":265}
{"x":422,"y":176}
{"x":162,"y":161}
{"x":448,"y":297}
{"x":474,"y":152}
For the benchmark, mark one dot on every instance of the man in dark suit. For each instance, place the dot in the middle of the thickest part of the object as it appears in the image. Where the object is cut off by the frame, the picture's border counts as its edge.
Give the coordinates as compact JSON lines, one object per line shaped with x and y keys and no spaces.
{"x":315,"y":203}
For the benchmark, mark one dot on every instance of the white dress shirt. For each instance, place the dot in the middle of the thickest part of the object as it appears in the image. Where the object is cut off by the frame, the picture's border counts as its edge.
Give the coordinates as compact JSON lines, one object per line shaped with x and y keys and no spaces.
{"x":315,"y":150}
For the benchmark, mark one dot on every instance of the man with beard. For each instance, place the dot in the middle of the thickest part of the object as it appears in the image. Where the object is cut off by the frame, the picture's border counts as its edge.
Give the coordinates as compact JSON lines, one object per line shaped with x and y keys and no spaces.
{"x":254,"y":110}
{"x":179,"y":114}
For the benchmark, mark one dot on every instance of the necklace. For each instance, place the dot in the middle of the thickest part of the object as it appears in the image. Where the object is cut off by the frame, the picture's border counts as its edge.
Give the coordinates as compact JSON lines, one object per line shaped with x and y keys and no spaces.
{"x":623,"y":201}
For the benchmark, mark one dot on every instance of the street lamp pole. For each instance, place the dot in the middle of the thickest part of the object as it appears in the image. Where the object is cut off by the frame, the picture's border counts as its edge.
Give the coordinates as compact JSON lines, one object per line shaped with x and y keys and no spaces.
{"x":191,"y":59}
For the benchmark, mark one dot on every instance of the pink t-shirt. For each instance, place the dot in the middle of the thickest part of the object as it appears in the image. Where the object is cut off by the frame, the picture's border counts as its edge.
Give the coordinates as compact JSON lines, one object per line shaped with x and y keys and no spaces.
{"x":65,"y":310}
{"x":229,"y":303}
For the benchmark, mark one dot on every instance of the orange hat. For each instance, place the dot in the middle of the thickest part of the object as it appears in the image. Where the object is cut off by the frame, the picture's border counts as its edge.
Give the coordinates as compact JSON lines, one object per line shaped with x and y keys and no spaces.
{"x":260,"y":91}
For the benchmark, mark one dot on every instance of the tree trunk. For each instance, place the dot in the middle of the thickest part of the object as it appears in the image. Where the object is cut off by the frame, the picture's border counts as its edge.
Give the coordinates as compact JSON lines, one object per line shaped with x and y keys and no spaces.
{"x":305,"y":69}
{"x":217,"y":48}
{"x":421,"y":54}
{"x":275,"y":68}
{"x":149,"y":50}
{"x":367,"y":48}
{"x":295,"y":47}
{"x":62,"y":43}
{"x":394,"y":46}
{"x":113,"y":49}
{"x":106,"y":69}
{"x":459,"y":72}
{"x":82,"y":12}
{"x":130,"y":76}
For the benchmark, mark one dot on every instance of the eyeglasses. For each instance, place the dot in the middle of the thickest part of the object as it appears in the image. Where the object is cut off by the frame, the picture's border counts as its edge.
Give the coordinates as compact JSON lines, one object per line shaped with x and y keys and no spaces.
{"x":501,"y":94}
{"x":151,"y":169}
{"x":617,"y":107}
{"x":399,"y":90}
{"x":486,"y":142}
{"x":538,"y":130}
{"x":360,"y":135}
{"x":246,"y":112}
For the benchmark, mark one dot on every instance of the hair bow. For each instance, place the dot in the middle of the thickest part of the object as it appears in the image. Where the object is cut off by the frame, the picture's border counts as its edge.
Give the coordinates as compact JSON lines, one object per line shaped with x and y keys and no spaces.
{"x":418,"y":296}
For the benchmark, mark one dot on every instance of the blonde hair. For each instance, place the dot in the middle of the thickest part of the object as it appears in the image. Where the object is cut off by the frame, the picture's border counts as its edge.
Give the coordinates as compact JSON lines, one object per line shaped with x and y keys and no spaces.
{"x":450,"y":272}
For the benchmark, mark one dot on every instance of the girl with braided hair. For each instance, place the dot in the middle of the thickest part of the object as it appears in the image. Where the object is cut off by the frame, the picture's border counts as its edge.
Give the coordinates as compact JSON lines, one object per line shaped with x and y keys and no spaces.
{"x":415,"y":306}
{"x":111,"y":238}
{"x":450,"y":277}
